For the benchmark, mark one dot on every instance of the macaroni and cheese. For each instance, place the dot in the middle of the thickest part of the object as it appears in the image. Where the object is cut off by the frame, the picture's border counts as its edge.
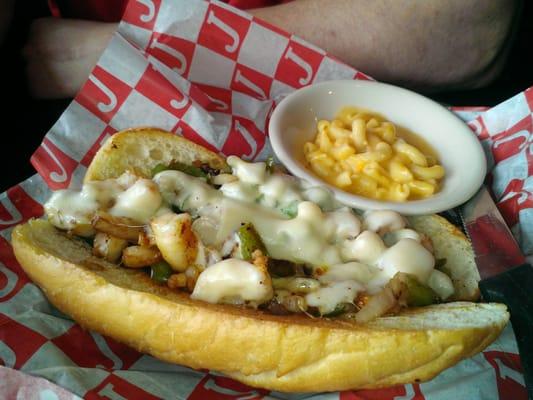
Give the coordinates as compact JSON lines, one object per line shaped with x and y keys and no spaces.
{"x":363,"y":153}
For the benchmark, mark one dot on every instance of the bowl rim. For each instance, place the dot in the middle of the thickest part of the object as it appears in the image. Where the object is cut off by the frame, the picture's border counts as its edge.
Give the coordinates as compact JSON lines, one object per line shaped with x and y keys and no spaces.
{"x":433,"y":204}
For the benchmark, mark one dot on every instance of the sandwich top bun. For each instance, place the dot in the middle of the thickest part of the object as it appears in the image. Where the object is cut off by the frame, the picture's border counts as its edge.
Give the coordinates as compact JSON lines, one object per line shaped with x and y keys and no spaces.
{"x":285,"y":353}
{"x":141,"y":149}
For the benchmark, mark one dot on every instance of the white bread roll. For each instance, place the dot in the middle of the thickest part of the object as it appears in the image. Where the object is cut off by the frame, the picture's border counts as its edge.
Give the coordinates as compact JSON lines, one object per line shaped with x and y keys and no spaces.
{"x":285,"y":353}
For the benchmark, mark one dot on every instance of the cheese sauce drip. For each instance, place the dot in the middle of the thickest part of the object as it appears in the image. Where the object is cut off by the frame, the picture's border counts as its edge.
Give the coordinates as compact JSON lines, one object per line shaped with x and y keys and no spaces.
{"x":233,"y":281}
{"x":127,"y":196}
{"x":312,"y":236}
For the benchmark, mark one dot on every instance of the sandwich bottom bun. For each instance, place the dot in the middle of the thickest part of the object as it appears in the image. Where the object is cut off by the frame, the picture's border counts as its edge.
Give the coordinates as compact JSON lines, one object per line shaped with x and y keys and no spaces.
{"x":285,"y":353}
{"x":294,"y":353}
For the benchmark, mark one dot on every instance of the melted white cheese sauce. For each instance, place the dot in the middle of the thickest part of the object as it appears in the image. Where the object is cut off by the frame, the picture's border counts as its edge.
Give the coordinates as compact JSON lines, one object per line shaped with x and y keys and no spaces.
{"x":233,"y":281}
{"x":309,"y":237}
{"x":126,"y":196}
{"x":327,"y":297}
{"x":296,"y":222}
{"x":407,"y":256}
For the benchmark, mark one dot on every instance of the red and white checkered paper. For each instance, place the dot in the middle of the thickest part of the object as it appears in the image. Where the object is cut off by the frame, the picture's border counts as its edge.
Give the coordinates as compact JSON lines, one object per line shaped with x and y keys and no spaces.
{"x":213,"y":74}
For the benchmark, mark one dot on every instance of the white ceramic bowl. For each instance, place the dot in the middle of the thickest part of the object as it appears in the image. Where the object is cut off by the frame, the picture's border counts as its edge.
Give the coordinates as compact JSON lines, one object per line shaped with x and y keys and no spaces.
{"x":294,"y":120}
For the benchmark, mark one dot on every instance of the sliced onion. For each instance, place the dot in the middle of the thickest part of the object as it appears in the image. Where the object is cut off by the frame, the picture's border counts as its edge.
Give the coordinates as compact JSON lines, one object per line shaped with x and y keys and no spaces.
{"x":140,"y":257}
{"x":377,"y":305}
{"x":393,"y":296}
{"x":120,"y":227}
{"x":221,"y":179}
{"x":206,"y":229}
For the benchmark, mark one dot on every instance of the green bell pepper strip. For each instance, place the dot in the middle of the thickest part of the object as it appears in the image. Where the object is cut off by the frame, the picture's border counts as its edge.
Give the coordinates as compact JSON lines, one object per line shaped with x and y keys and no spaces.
{"x":160,"y":272}
{"x":249,"y":241}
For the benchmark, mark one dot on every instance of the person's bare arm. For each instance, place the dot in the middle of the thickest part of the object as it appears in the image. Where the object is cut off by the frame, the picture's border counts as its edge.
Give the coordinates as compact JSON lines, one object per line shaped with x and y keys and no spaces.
{"x":60,"y":54}
{"x":423,"y":44}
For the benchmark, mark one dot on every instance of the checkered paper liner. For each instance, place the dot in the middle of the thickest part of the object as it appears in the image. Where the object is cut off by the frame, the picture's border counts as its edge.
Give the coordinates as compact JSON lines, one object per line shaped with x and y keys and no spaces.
{"x":213,"y":74}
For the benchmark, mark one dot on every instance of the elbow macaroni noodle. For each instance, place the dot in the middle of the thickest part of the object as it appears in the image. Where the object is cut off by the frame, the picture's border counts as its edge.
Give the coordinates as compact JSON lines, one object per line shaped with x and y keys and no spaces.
{"x":362,"y":153}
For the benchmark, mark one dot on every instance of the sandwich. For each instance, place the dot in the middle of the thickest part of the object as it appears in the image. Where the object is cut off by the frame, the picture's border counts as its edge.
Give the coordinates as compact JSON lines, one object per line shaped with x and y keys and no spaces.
{"x":241,"y":268}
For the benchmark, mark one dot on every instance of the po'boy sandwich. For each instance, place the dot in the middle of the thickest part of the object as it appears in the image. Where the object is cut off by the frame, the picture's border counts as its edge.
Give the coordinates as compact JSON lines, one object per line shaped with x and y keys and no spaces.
{"x":241,"y":268}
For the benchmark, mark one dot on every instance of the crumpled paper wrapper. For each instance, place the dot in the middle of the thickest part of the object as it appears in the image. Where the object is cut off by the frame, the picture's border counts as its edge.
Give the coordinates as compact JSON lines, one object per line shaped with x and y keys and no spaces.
{"x":213,"y":74}
{"x":18,"y":385}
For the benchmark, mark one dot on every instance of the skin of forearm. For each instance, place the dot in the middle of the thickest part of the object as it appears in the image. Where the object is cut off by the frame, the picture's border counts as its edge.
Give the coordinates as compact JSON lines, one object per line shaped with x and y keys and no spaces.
{"x":60,"y":54}
{"x":424,"y":44}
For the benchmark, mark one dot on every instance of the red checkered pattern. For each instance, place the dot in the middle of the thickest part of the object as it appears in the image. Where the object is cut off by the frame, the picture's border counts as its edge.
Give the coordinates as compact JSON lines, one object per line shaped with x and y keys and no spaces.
{"x":230,"y":63}
{"x":106,"y":133}
{"x":218,"y":99}
{"x":507,"y":133}
{"x":17,"y":206}
{"x":142,"y":13}
{"x":213,"y":74}
{"x":18,"y":343}
{"x":216,"y":387}
{"x":114,"y":387}
{"x":412,"y":392}
{"x":93,"y":351}
{"x":174,"y":52}
{"x":103,"y":94}
{"x":12,"y":277}
{"x":298,"y":65}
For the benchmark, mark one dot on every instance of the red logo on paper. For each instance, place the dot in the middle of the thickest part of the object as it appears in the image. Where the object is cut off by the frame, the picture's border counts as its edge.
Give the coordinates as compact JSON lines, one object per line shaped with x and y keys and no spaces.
{"x":157,"y":88}
{"x":251,"y":82}
{"x":361,"y":76}
{"x":114,"y":387}
{"x":106,"y":134}
{"x":244,"y":139}
{"x":17,"y":342}
{"x":12,"y":277}
{"x":529,"y":98}
{"x":479,"y":128}
{"x":53,"y":165}
{"x":517,"y":198}
{"x":509,"y":378}
{"x":175,"y":53}
{"x":513,"y":140}
{"x":411,"y":392}
{"x":95,"y":351}
{"x":212,"y":98}
{"x":298,"y":65}
{"x":17,"y":206}
{"x":510,"y":208}
{"x":103,"y":94}
{"x":222,"y":388}
{"x":223,"y":31}
{"x":142,"y":13}
{"x":187,"y":132}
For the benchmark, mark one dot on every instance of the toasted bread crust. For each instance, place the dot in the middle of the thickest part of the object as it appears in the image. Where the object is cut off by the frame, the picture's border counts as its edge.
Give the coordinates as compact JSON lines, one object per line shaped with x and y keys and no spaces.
{"x":451,"y":244}
{"x":139,"y":150}
{"x":286,"y":353}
